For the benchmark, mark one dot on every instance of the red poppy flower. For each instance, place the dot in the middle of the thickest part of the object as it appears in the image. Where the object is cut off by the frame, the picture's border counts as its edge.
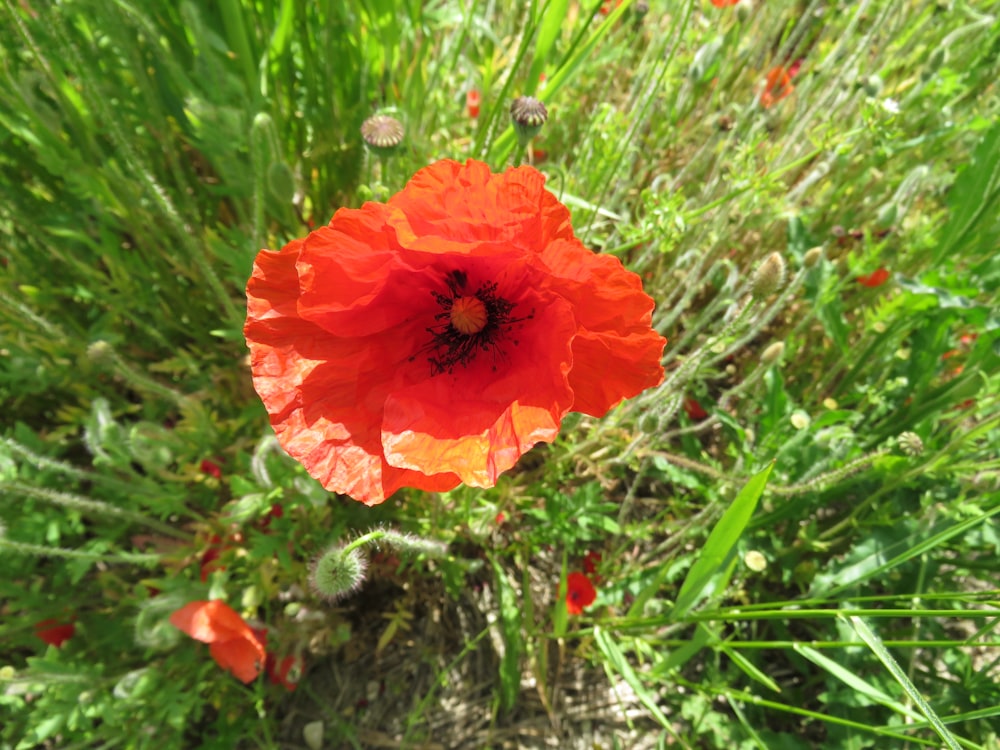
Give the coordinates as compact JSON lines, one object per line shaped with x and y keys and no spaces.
{"x":694,"y":410}
{"x":54,"y":632}
{"x":472,"y":100}
{"x":286,"y":672}
{"x":434,"y":339}
{"x":232,"y":643}
{"x":724,"y":3}
{"x":777,"y":86}
{"x":877,"y":278}
{"x":580,"y":593}
{"x":590,"y":562}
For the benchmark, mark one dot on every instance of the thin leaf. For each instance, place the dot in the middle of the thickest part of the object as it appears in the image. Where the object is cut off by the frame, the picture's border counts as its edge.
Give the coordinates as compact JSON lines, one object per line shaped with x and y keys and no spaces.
{"x":716,"y":555}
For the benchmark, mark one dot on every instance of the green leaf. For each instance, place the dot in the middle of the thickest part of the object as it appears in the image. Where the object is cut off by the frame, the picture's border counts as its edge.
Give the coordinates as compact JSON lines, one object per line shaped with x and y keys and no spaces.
{"x":973,"y":198}
{"x":616,"y":660}
{"x":510,"y":628}
{"x":552,"y":23}
{"x":878,"y":648}
{"x":718,"y":554}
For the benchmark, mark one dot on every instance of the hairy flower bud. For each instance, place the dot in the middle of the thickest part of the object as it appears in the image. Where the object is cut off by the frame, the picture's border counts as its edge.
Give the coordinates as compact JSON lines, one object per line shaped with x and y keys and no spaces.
{"x":769,"y":276}
{"x":528,"y":115}
{"x":773,"y":353}
{"x":911,"y":444}
{"x":382,"y":134}
{"x":338,"y":572}
{"x":812,"y":257}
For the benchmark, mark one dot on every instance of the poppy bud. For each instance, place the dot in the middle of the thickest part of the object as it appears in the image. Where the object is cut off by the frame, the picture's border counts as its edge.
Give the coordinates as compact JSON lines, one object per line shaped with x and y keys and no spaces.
{"x":338,"y":572}
{"x":769,"y":276}
{"x":886,"y":215}
{"x":911,"y":444}
{"x":934,"y":62}
{"x":773,"y":353}
{"x":528,"y":115}
{"x":382,"y":134}
{"x":812,"y":257}
{"x":100,"y":351}
{"x":872,"y":85}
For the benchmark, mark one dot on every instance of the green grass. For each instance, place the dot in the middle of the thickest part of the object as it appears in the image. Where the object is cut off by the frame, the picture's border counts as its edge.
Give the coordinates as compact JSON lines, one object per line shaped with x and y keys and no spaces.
{"x":848,"y":599}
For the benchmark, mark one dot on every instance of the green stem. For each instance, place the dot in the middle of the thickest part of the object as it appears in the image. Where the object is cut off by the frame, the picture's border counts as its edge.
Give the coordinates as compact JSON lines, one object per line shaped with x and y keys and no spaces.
{"x":25,"y":548}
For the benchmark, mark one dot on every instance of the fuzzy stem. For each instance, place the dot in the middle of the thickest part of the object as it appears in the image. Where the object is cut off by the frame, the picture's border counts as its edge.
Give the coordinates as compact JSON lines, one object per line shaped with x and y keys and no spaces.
{"x":25,"y":548}
{"x":97,"y":507}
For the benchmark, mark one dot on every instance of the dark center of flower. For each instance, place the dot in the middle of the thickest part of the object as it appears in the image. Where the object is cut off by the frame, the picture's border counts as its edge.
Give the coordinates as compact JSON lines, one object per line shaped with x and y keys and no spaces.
{"x":468,"y":324}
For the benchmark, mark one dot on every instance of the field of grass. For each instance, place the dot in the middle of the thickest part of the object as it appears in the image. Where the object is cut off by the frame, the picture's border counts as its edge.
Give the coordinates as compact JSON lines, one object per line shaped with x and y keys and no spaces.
{"x":791,"y":542}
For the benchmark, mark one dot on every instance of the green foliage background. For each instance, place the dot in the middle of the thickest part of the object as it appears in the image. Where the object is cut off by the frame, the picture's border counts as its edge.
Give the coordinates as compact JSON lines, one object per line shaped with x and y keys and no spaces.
{"x":147,"y":152}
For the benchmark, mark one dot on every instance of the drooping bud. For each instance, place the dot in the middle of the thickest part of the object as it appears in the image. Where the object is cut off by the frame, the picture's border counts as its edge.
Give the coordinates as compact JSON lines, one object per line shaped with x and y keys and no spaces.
{"x":812,"y":257}
{"x":769,"y":276}
{"x":338,"y":572}
{"x":911,"y":444}
{"x":773,"y":353}
{"x":528,"y":115}
{"x":382,"y":134}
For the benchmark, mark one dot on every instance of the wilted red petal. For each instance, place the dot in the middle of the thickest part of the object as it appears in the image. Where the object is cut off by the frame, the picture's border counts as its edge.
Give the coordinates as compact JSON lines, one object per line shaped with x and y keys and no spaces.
{"x":54,"y":632}
{"x":371,"y":386}
{"x":242,"y":656}
{"x":876,"y":278}
{"x":287,"y":672}
{"x":580,"y":593}
{"x":233,"y":644}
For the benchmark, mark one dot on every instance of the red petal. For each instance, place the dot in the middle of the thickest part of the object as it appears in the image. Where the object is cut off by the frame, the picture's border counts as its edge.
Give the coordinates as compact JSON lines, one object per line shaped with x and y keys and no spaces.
{"x":210,"y":622}
{"x":580,"y":593}
{"x":478,"y":420}
{"x":244,"y":657}
{"x":54,"y":632}
{"x":616,"y":354}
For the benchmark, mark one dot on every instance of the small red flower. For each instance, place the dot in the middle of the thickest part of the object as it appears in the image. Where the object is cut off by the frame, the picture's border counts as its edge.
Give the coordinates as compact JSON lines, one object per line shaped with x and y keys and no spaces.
{"x":580,"y":593}
{"x":434,"y":339}
{"x":724,"y":3}
{"x":472,"y":100}
{"x":234,"y":645}
{"x":499,"y":520}
{"x":777,"y":86}
{"x":286,"y":672}
{"x":211,"y":468}
{"x":694,"y":410}
{"x":877,"y":278}
{"x":590,"y":562}
{"x":54,"y":632}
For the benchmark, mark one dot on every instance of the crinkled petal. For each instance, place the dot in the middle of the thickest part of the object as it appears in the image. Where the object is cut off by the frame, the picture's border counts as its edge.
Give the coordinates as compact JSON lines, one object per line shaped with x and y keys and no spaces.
{"x":463,"y":208}
{"x":616,"y":353}
{"x":325,"y":393}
